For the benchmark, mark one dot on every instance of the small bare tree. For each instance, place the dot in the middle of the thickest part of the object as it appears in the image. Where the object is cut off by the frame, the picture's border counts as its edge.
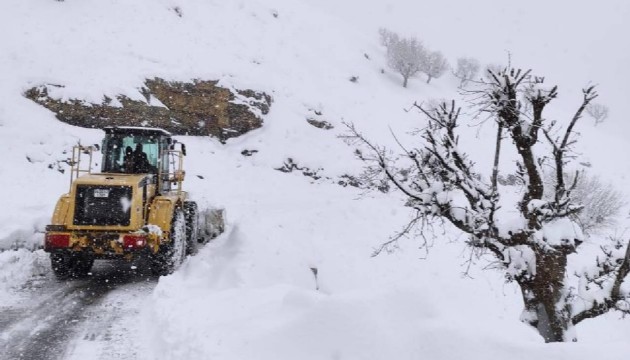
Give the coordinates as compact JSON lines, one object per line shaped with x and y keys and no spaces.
{"x":598,"y":112}
{"x":404,"y":55}
{"x":441,"y":182}
{"x":434,"y":65}
{"x":467,"y":69}
{"x":388,"y":37}
{"x":600,"y":200}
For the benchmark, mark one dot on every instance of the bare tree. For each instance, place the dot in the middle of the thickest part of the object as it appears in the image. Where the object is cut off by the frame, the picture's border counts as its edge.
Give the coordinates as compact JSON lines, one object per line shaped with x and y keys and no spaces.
{"x":467,"y":69}
{"x":440,"y":182}
{"x":599,"y":112}
{"x":600,"y":200}
{"x":388,"y":37}
{"x":404,"y":55}
{"x":434,"y":65}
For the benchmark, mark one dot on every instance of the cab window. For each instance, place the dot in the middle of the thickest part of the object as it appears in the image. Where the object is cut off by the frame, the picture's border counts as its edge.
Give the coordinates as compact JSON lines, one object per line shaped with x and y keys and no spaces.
{"x":130,"y":153}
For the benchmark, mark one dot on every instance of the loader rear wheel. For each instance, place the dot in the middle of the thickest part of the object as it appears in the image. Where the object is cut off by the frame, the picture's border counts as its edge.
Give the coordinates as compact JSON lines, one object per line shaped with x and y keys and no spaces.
{"x":171,"y":255}
{"x":71,"y":265}
{"x":191,"y":213}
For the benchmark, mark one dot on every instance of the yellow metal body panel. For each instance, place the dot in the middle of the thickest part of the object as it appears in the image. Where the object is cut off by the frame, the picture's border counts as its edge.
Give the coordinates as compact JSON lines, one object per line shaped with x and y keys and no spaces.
{"x":137,"y":219}
{"x":110,"y":179}
{"x":61,"y":216}
{"x":157,"y":211}
{"x":163,"y":207}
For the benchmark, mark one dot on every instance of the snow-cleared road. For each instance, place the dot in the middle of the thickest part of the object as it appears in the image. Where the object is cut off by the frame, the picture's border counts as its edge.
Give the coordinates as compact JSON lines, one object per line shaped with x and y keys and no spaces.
{"x":91,"y":318}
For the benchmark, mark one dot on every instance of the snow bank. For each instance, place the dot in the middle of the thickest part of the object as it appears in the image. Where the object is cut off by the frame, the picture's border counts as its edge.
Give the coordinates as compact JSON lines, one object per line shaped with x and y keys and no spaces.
{"x":16,"y":268}
{"x":231,"y":302}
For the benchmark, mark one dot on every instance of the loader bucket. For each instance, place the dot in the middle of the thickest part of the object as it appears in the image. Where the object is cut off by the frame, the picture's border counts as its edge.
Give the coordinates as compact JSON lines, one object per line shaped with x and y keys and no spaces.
{"x":211,"y":224}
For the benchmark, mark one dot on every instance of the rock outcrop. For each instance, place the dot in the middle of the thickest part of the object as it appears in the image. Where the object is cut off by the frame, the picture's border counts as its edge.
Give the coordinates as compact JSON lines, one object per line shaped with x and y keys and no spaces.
{"x":198,"y":108}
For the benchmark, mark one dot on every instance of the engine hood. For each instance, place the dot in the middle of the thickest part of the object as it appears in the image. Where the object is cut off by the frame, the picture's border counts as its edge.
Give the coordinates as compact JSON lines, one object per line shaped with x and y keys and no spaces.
{"x":114,"y":179}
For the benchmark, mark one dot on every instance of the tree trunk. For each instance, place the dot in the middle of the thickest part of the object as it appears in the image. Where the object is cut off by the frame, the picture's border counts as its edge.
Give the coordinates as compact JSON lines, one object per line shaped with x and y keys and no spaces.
{"x":429,"y":78}
{"x":535,"y":186}
{"x":543,"y":297}
{"x":405,"y":78}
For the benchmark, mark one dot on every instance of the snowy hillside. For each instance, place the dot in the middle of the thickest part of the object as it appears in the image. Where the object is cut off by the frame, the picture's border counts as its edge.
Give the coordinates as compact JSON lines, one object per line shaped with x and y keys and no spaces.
{"x":254,"y":292}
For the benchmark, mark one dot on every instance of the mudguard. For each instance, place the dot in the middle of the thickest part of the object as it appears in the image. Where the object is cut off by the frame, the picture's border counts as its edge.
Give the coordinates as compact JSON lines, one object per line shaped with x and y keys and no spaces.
{"x":161,"y":211}
{"x":61,"y":216}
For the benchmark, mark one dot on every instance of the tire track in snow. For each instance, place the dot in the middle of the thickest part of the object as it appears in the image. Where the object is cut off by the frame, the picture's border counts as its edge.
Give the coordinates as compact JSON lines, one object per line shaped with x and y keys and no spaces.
{"x":113,"y":329}
{"x":44,"y":329}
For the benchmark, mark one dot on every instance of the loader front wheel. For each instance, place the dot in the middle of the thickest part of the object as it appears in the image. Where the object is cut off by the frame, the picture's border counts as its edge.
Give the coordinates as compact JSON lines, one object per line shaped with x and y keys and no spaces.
{"x":71,"y":265}
{"x":171,"y":255}
{"x":191,"y":213}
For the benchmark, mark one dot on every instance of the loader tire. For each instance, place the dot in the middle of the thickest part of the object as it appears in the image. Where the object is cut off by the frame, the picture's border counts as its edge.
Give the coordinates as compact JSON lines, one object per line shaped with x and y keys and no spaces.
{"x":191,"y":213}
{"x":67,"y":266}
{"x":171,"y":255}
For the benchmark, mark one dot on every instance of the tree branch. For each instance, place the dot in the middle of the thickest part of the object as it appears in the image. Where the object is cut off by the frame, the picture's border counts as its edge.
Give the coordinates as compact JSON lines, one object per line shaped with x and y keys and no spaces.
{"x":559,"y":150}
{"x":615,"y":293}
{"x":589,"y":95}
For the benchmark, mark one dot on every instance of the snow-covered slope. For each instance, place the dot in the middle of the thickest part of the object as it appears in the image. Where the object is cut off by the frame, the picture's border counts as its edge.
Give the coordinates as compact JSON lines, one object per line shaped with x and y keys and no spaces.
{"x":253,"y":293}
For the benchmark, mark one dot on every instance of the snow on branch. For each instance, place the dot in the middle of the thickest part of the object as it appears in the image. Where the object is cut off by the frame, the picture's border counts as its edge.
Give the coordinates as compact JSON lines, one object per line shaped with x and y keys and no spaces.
{"x":600,"y":287}
{"x":560,"y":149}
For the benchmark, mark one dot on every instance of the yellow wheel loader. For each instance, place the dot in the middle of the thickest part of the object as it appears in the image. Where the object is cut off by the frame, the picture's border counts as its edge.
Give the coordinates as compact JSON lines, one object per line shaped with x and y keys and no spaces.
{"x":135,"y":207}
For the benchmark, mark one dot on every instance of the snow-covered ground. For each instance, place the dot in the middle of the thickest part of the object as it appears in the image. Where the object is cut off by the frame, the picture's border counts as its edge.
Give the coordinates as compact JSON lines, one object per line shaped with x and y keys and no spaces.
{"x":253,"y":293}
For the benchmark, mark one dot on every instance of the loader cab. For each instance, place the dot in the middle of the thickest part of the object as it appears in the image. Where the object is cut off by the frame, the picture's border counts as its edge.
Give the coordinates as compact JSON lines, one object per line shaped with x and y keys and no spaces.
{"x":129,"y":150}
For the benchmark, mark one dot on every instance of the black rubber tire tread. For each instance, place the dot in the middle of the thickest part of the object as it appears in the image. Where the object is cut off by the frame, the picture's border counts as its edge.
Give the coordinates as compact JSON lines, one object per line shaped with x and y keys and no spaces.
{"x":164,"y":262}
{"x":67,"y":266}
{"x":191,"y":213}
